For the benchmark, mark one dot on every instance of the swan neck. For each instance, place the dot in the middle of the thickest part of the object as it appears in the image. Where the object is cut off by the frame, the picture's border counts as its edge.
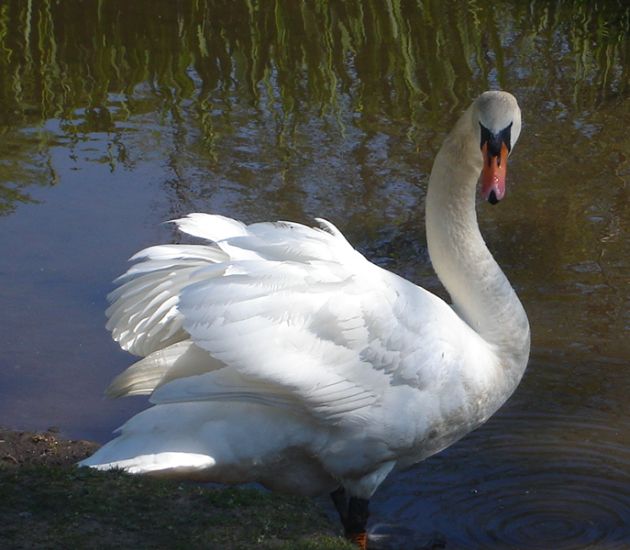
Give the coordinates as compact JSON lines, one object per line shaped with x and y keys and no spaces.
{"x":481,"y":293}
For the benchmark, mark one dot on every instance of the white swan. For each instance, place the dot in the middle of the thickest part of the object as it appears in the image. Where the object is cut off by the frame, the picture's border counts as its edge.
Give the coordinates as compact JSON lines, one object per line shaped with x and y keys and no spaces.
{"x":277,"y":353}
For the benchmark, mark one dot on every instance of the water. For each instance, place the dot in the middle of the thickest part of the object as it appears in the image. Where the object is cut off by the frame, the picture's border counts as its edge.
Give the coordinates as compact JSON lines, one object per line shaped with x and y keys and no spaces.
{"x":113,"y":122}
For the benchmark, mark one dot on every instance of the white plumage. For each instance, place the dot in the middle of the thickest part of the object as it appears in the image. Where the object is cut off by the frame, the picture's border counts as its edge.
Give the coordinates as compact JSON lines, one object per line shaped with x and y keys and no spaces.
{"x":275,"y":352}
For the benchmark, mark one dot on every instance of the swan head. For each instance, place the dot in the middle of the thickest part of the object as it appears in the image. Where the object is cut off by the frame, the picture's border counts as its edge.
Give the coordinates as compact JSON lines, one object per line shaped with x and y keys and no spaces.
{"x":499,"y":125}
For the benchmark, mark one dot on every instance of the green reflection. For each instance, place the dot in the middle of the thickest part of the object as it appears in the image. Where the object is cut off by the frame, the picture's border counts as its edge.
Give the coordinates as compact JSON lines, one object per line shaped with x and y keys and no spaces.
{"x":92,"y":65}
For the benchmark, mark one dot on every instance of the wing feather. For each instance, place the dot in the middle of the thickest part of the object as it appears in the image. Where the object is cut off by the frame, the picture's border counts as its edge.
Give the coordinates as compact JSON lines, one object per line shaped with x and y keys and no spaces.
{"x":277,"y":313}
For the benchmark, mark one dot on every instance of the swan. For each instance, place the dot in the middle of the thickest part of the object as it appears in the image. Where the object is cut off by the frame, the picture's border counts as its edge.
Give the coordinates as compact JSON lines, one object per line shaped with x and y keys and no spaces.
{"x":277,"y":353}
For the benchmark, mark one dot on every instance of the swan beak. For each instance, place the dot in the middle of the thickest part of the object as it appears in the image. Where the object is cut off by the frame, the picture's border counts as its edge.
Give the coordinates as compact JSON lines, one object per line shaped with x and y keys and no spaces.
{"x":493,"y":174}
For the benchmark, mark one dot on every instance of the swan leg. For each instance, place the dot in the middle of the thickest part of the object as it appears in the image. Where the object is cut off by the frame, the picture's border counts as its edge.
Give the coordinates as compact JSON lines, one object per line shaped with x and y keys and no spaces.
{"x":353,"y":513}
{"x":340,"y":501}
{"x":356,"y":522}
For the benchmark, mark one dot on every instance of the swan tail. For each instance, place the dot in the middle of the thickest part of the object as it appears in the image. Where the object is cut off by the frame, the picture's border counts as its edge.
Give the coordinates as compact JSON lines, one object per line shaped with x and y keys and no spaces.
{"x":167,"y":464}
{"x":223,"y":442}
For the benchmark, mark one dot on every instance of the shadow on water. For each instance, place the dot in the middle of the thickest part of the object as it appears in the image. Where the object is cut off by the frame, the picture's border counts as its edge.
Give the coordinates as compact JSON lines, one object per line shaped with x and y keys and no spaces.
{"x":116,"y":116}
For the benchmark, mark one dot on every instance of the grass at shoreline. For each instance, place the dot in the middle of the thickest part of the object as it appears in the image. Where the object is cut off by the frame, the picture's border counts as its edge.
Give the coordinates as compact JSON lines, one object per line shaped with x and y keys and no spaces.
{"x":46,"y":502}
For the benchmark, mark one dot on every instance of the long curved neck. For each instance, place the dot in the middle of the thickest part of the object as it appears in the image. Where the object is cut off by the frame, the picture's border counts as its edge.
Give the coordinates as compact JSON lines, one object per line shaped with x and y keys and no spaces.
{"x":481,"y":293}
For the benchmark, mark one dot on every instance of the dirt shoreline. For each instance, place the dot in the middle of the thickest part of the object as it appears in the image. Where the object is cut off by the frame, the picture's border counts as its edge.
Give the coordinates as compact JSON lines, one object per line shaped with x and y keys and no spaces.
{"x":21,"y":448}
{"x":46,"y":502}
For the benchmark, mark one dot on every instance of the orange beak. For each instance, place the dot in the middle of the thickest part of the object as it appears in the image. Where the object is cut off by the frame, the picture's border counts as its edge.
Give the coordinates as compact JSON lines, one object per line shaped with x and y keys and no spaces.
{"x":493,"y":174}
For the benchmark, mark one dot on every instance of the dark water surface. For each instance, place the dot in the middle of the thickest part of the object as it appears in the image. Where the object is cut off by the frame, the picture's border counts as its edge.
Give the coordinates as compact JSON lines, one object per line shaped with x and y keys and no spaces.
{"x":116,"y":116}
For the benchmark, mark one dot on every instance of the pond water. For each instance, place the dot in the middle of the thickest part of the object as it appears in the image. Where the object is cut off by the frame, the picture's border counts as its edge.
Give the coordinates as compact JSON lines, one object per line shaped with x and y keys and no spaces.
{"x":116,"y":116}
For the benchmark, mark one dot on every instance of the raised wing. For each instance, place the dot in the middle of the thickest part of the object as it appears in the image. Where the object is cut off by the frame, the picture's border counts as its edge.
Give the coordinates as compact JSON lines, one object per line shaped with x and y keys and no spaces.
{"x":288,"y":314}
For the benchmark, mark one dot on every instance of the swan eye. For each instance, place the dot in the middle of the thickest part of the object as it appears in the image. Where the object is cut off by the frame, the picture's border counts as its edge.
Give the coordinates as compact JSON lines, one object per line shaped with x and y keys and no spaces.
{"x":494,"y":141}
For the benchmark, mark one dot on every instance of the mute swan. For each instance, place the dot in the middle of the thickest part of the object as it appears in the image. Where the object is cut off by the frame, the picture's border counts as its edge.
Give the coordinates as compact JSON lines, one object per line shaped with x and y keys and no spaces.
{"x":277,"y":353}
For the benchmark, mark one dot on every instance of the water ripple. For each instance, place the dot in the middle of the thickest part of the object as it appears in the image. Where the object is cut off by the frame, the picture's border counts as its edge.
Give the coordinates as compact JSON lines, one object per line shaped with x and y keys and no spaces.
{"x":529,"y":481}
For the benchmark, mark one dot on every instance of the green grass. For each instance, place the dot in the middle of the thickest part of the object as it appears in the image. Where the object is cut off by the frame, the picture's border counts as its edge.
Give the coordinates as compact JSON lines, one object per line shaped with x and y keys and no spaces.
{"x":64,"y":507}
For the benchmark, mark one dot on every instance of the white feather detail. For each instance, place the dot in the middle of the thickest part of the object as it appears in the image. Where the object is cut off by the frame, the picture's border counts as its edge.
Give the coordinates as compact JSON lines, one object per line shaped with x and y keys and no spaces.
{"x":180,"y":360}
{"x":340,"y":328}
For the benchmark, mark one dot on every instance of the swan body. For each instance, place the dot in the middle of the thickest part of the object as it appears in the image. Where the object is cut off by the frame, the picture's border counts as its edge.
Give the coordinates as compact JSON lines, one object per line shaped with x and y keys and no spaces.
{"x":277,"y":353}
